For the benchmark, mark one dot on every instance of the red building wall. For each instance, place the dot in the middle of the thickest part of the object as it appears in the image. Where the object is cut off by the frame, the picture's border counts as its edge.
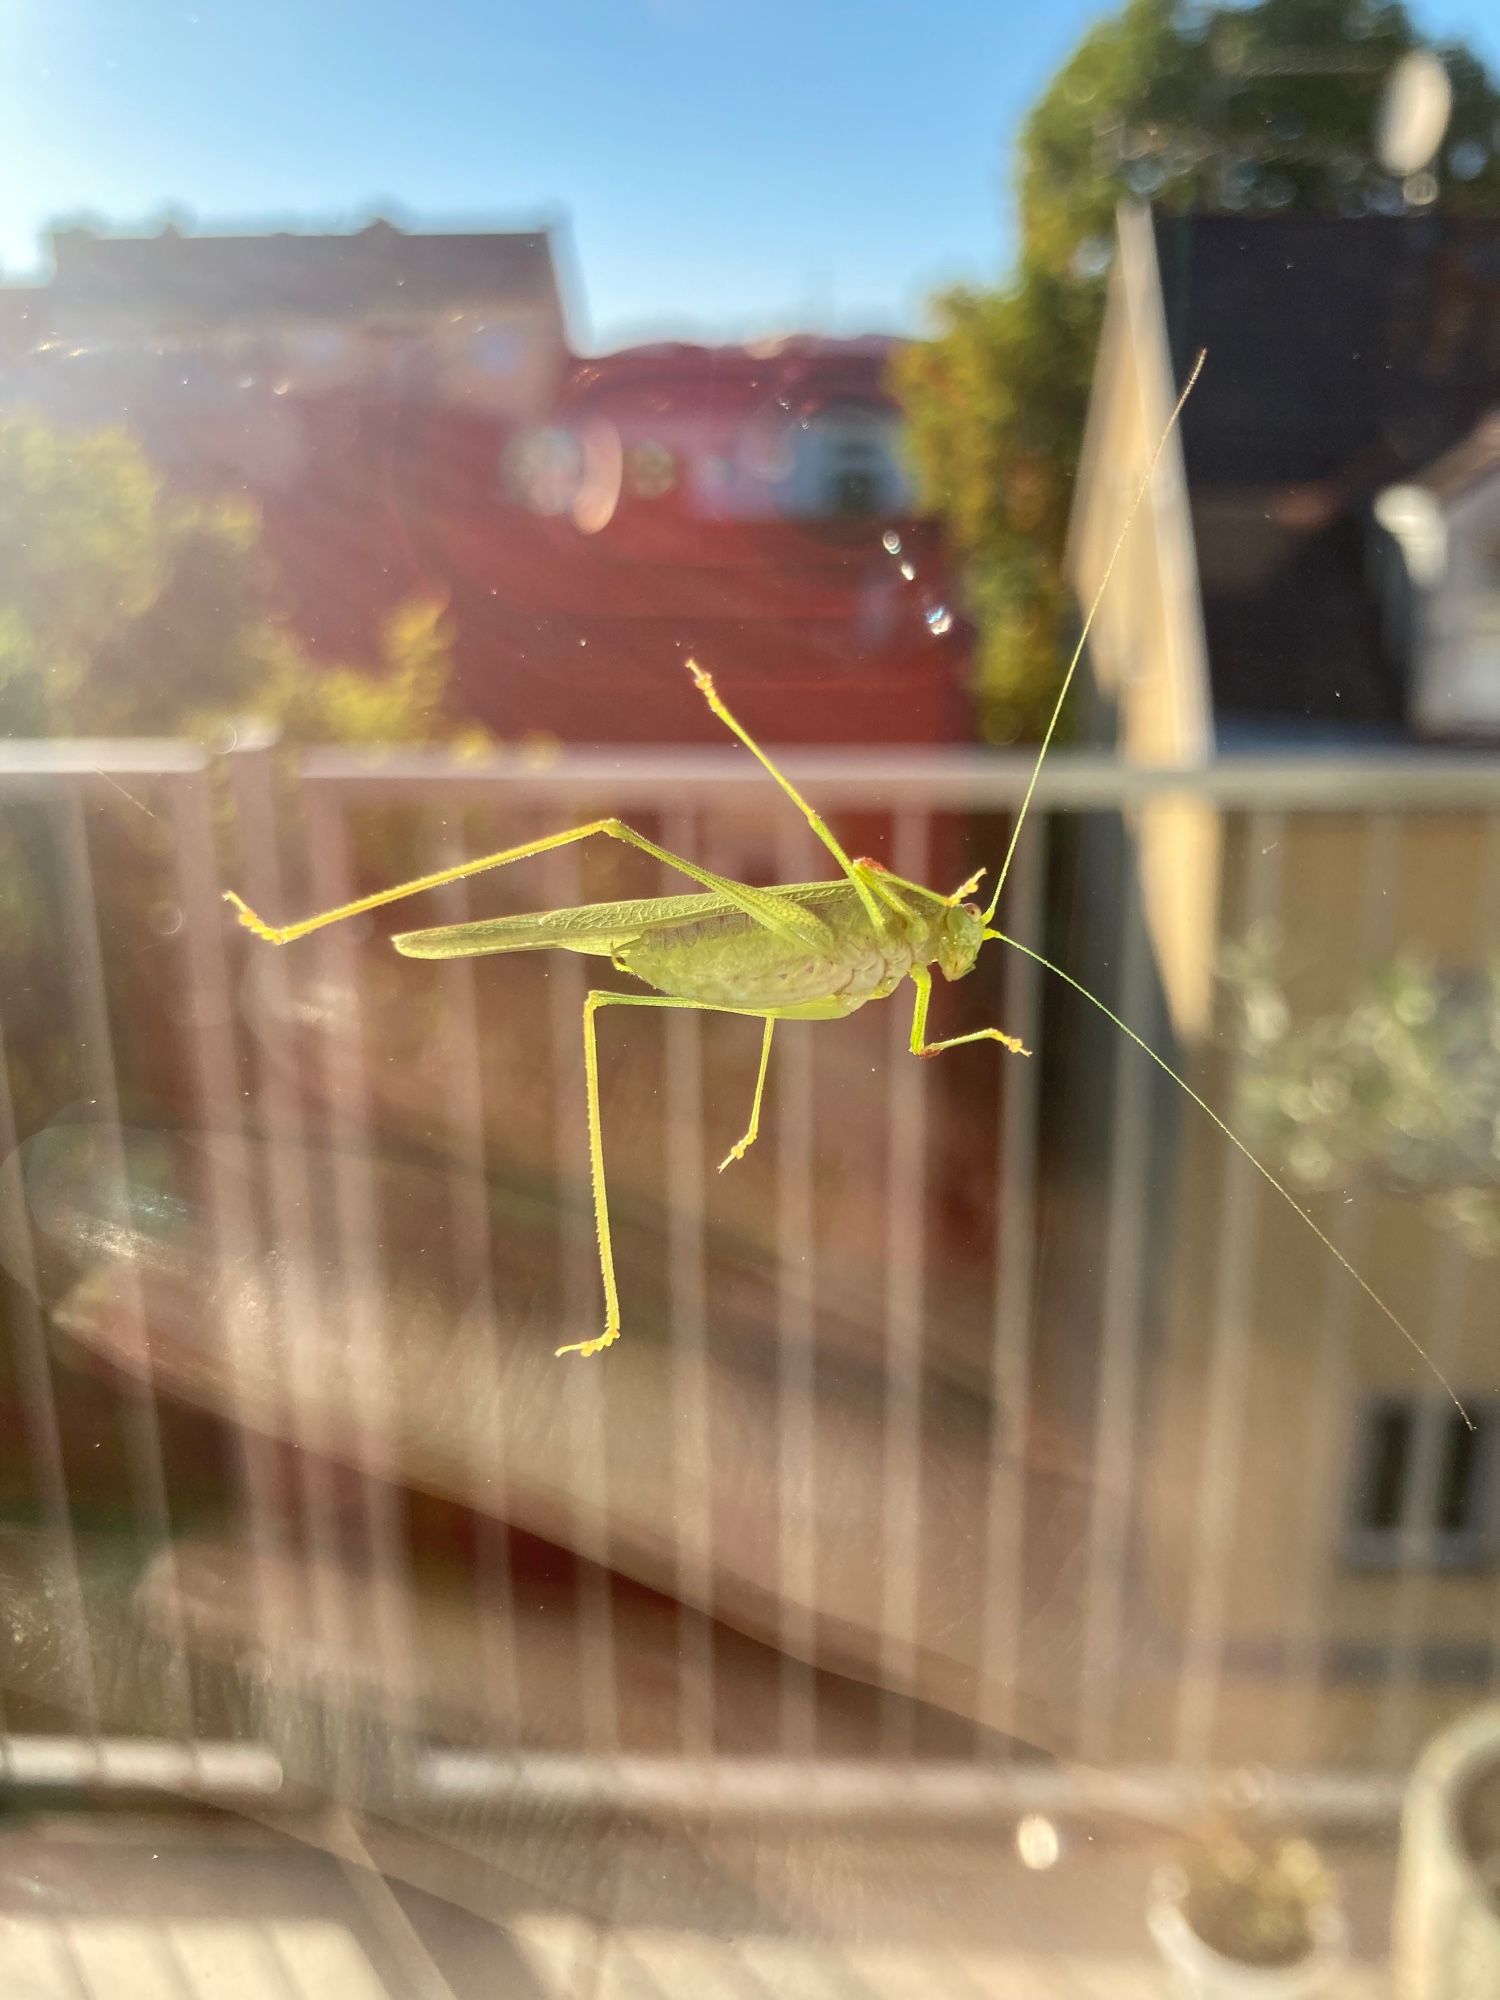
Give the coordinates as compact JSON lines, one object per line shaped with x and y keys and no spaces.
{"x":644,"y":522}
{"x":403,"y":411}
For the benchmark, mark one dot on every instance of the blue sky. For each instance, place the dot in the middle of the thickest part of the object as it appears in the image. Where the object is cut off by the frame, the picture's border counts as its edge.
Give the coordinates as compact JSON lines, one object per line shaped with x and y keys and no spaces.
{"x":724,"y":166}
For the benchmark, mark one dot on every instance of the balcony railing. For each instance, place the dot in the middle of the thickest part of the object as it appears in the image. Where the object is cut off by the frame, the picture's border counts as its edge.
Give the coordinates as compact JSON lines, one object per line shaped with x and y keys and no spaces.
{"x":293,"y":1235}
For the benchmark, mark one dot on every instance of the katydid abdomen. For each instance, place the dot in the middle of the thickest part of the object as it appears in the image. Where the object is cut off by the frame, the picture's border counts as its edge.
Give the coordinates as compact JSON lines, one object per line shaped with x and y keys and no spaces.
{"x":726,"y":960}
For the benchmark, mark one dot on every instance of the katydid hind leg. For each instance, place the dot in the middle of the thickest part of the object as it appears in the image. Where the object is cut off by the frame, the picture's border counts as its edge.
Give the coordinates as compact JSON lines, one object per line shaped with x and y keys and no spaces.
{"x":773,"y":913}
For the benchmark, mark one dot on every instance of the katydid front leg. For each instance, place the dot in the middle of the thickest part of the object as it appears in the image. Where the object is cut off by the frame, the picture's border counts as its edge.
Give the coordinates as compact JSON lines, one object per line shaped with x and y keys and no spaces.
{"x":921,"y":978}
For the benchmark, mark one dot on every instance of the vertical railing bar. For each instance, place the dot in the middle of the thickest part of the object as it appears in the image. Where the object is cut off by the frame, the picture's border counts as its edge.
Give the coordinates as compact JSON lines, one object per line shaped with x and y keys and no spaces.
{"x":77,"y":1974}
{"x":405,"y":1946}
{"x":288,"y":1978}
{"x":688,"y":1293}
{"x":38,"y":1398}
{"x":796,"y":1316}
{"x":469,"y":1190}
{"x":1442,"y":1324}
{"x":1442,"y":1331}
{"x":142,"y":1428}
{"x":1014,"y":1267}
{"x":282,"y":1114}
{"x":171,"y":1957}
{"x":1328,"y":1401}
{"x":231,"y":1222}
{"x":901,"y":1419}
{"x":1117,"y":1443}
{"x":582,"y":1305}
{"x":367,"y":1382}
{"x":1490,"y":1465}
{"x":1229,"y":1359}
{"x":272,"y":1953}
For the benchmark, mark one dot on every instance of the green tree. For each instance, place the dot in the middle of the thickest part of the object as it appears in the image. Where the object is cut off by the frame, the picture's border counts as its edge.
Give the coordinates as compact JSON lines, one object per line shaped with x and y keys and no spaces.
{"x":128,"y":611}
{"x":1264,"y":108}
{"x":1400,"y":1087}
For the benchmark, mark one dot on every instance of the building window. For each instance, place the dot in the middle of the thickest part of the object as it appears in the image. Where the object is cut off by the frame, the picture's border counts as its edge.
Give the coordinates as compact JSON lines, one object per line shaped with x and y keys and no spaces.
{"x":845,"y":462}
{"x":1423,"y":1492}
{"x":854,"y":489}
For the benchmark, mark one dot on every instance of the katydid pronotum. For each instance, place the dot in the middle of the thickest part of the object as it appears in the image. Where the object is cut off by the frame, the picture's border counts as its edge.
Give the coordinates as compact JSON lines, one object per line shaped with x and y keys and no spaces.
{"x":812,"y":951}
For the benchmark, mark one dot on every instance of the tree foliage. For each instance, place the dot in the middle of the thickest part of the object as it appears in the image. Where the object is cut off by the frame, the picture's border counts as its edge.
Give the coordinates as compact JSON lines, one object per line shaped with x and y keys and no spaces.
{"x":1266,"y":108}
{"x":128,"y":611}
{"x":1400,"y":1087}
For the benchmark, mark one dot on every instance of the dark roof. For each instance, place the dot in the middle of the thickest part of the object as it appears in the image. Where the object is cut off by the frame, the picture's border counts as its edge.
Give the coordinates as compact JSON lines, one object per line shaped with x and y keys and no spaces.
{"x":802,"y":372}
{"x":178,"y":282}
{"x":1344,"y":354}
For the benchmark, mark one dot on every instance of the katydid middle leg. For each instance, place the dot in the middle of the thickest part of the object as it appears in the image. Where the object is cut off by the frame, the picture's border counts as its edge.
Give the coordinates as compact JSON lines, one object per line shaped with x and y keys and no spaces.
{"x":591,"y":1006}
{"x":742,"y":1146}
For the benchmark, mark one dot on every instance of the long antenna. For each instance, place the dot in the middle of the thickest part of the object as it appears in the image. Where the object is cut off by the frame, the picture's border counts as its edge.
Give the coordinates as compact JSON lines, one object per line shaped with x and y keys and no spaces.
{"x":1088,"y":624}
{"x":1235,"y":1140}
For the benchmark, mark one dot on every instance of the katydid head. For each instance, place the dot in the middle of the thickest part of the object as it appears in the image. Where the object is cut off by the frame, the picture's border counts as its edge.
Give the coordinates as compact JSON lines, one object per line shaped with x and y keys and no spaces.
{"x":959,"y":939}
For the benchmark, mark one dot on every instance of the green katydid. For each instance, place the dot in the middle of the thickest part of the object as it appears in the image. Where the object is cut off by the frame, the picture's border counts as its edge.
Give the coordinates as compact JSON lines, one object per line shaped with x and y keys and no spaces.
{"x":812,"y":951}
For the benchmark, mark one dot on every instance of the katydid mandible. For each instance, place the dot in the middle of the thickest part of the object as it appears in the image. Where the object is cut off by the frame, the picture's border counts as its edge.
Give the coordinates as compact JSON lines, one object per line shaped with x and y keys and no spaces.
{"x":812,"y":951}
